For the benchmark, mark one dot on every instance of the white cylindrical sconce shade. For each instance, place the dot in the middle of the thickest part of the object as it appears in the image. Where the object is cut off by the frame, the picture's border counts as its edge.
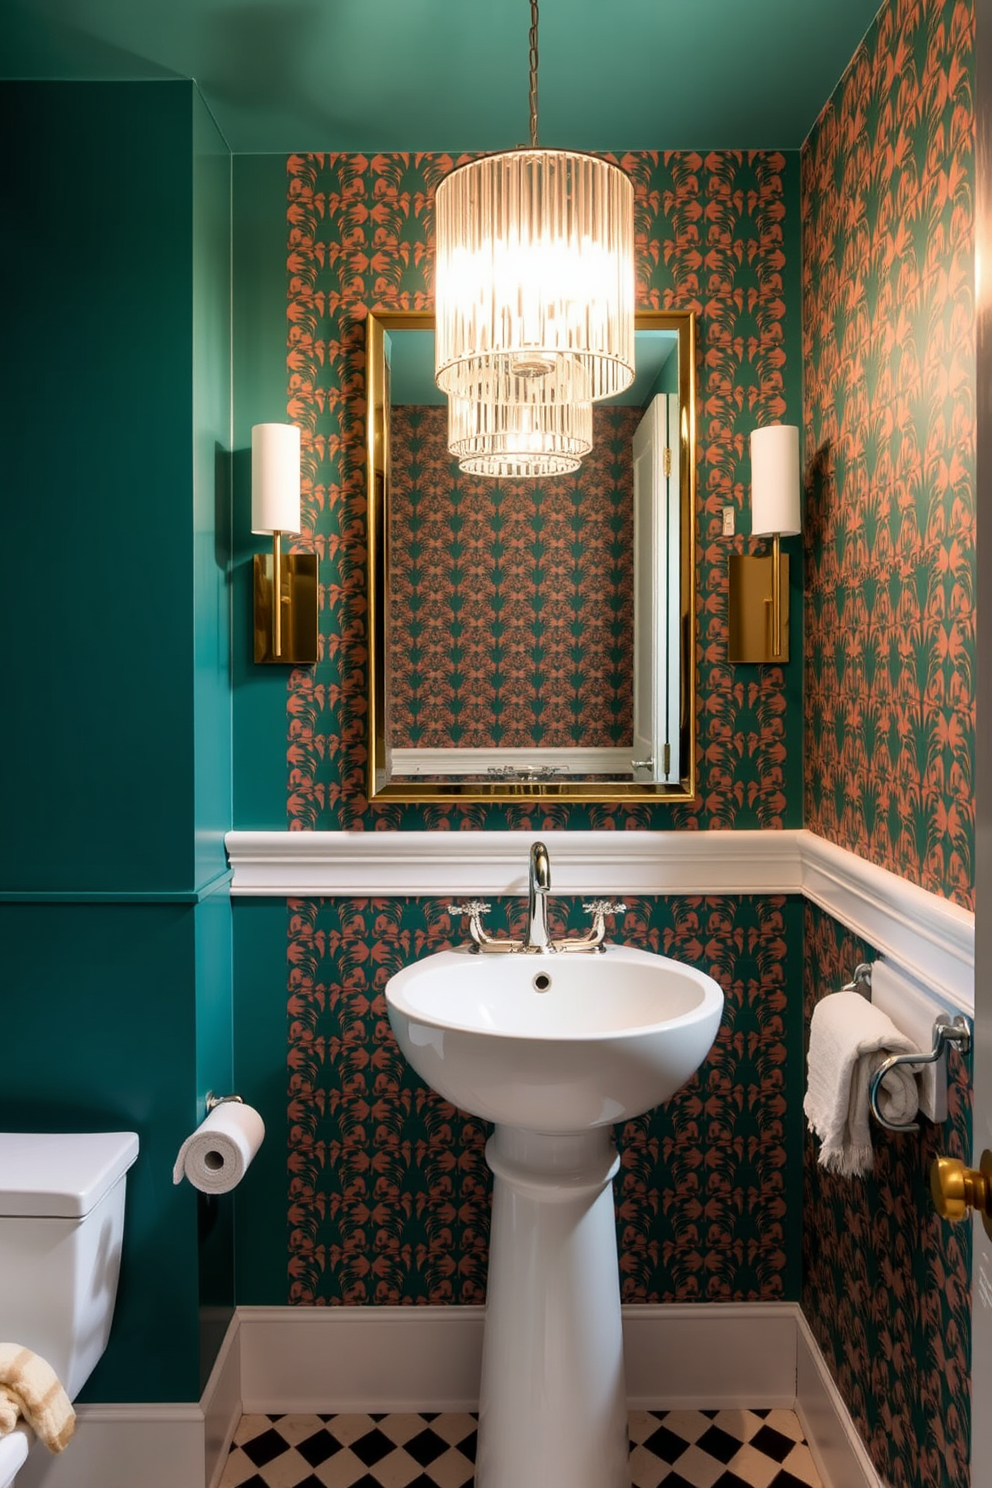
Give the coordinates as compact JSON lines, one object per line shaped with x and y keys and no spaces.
{"x":275,"y":478}
{"x":775,"y":503}
{"x":534,"y":267}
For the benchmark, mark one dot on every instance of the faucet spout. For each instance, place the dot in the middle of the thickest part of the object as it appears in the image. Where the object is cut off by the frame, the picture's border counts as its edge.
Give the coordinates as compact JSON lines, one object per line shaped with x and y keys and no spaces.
{"x":538,"y":938}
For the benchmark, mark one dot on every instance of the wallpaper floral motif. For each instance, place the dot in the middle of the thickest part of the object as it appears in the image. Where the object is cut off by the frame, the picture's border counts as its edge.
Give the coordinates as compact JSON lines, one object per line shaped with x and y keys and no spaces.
{"x":714,"y":234}
{"x":513,"y":601}
{"x":389,"y":1186}
{"x":886,"y":1282}
{"x":888,"y":345}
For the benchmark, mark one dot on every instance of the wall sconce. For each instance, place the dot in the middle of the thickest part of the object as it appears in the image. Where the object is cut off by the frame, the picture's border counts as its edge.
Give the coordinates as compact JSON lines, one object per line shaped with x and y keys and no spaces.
{"x":285,"y":584}
{"x":758,"y":586}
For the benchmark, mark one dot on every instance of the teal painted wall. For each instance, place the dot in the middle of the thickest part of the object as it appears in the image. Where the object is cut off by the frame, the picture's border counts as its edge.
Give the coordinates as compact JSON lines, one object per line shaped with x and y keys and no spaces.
{"x":96,"y":393}
{"x":210,"y":425}
{"x":99,"y":1035}
{"x":260,"y":326}
{"x":115,"y":758}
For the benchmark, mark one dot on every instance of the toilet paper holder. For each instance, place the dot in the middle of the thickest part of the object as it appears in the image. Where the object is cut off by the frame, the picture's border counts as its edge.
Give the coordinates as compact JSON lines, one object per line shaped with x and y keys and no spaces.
{"x":220,"y":1100}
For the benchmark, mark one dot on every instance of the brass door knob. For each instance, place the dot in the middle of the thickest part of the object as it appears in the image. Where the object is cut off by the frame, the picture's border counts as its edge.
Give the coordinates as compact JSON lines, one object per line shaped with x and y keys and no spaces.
{"x":956,"y":1189}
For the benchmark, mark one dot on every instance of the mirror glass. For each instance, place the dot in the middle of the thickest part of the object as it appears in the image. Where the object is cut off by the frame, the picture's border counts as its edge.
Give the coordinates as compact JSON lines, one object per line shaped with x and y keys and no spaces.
{"x":532,"y":637}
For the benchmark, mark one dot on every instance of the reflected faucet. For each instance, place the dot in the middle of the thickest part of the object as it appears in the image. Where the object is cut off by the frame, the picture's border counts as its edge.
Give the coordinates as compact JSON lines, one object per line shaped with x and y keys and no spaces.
{"x":538,"y":888}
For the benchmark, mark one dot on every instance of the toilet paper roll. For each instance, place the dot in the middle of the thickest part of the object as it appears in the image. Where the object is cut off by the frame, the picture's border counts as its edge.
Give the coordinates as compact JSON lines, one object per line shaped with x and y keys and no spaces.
{"x":216,"y":1156}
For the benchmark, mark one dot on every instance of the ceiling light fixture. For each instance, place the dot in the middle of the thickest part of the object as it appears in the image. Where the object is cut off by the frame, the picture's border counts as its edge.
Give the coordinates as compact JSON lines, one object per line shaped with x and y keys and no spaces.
{"x":534,"y":272}
{"x":514,"y":440}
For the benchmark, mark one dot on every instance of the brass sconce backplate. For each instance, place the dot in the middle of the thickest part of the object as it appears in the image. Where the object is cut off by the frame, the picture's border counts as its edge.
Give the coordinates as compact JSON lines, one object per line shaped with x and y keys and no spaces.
{"x":298,"y":601}
{"x":749,"y":608}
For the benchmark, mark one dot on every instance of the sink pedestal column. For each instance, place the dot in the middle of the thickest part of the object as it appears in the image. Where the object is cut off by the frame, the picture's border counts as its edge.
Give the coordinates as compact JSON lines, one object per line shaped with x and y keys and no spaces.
{"x":553,"y":1409}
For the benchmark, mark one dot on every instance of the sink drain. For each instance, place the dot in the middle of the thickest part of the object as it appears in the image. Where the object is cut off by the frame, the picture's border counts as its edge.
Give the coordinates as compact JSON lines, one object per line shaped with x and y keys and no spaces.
{"x":541,"y":982}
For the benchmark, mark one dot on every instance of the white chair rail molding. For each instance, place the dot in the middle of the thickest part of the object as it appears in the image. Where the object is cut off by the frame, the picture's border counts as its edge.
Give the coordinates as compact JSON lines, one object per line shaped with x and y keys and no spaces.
{"x":929,"y":938}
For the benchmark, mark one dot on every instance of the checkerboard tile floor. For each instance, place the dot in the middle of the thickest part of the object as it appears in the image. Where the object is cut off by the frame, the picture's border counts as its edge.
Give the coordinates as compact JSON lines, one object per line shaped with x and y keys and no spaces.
{"x":679,"y":1449}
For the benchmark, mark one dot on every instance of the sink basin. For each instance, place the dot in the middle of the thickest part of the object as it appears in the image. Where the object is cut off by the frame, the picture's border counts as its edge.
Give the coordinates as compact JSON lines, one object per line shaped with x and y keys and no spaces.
{"x":559,"y":1043}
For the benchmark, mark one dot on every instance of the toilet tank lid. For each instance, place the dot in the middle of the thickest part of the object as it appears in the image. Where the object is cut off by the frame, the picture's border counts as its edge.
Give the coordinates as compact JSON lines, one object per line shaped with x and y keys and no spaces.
{"x":60,"y":1173}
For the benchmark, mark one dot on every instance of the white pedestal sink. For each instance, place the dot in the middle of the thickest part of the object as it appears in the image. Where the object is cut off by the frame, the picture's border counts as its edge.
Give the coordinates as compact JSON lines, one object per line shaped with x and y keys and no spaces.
{"x":554,"y":1049}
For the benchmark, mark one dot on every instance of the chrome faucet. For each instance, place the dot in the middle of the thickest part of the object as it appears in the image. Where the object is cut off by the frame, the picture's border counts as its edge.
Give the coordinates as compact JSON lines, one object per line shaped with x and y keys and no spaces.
{"x":537,"y":939}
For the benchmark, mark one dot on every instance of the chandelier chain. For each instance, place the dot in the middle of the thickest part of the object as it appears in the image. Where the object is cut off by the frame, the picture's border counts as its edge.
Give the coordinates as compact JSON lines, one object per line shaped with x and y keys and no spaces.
{"x":533,"y":74}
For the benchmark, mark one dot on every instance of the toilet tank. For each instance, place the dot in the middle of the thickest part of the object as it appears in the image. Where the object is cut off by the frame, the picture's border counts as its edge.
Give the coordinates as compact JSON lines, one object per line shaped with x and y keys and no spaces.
{"x":61,"y":1229}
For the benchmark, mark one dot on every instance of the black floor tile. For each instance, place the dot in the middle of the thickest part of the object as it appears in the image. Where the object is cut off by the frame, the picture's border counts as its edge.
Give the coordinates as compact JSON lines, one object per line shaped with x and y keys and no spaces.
{"x":254,"y":1463}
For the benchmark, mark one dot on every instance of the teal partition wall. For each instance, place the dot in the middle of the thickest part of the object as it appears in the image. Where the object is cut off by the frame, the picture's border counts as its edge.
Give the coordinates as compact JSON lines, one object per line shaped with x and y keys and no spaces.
{"x":115,"y":773}
{"x":99,"y":1035}
{"x":260,"y":393}
{"x":96,"y":396}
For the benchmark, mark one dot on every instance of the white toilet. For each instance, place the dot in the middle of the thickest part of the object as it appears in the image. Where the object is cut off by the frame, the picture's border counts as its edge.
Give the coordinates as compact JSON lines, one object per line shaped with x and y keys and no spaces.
{"x":61,"y":1229}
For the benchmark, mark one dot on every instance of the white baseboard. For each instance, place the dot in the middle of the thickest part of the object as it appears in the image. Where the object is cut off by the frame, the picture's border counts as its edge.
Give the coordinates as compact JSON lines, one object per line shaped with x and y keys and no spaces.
{"x":838,"y":1451}
{"x":710,"y":1356}
{"x":282,"y":1360}
{"x":341,"y":1359}
{"x":221,"y":1405}
{"x":346,"y":1359}
{"x":124,"y":1446}
{"x":149,"y":1446}
{"x":713,"y":1356}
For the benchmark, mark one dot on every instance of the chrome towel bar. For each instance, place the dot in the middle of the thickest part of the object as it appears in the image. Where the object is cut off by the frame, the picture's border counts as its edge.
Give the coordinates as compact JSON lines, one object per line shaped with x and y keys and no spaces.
{"x":957,"y":1030}
{"x":860,"y":981}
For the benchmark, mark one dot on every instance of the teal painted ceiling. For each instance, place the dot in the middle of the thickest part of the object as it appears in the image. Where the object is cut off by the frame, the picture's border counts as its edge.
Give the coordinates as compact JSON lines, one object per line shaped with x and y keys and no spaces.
{"x":311,"y":75}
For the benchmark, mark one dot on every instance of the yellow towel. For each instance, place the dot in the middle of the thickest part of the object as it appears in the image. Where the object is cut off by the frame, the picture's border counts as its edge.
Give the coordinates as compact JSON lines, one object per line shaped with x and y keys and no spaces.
{"x":29,"y":1387}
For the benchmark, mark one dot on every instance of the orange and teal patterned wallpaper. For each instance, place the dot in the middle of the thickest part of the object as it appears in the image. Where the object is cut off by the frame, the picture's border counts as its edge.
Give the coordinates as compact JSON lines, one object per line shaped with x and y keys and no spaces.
{"x":389,"y":1189}
{"x":715,"y":233}
{"x":888,"y":321}
{"x":512,"y":615}
{"x":888,"y":352}
{"x":887,"y":1282}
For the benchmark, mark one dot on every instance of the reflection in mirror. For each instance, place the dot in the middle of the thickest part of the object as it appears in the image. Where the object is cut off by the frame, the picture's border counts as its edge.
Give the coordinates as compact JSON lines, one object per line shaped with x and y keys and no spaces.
{"x":531,"y":637}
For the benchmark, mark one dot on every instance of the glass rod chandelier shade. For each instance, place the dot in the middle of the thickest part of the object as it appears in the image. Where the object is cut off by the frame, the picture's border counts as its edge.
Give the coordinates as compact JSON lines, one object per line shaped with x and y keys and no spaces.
{"x":514,"y":440}
{"x":534,"y":275}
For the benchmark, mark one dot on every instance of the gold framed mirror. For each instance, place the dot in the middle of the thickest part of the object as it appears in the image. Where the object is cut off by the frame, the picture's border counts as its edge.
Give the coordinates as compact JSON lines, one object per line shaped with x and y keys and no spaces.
{"x":532,"y":638}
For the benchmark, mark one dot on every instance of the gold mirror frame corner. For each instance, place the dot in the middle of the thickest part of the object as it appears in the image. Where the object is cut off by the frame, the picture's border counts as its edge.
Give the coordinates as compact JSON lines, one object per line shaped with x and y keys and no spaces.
{"x":379,"y":786}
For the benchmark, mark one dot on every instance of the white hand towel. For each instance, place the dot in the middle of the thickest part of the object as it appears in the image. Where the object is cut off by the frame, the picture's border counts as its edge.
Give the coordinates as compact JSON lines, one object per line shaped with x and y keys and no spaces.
{"x":848,"y":1040}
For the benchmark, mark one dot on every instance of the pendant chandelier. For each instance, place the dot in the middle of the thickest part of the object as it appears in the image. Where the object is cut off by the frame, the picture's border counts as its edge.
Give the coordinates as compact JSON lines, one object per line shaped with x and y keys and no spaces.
{"x":512,"y":440}
{"x":534,"y":273}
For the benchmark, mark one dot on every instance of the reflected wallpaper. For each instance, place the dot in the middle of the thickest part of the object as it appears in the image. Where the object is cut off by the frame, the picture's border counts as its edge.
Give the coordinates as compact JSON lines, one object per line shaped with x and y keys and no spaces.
{"x":512,"y":618}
